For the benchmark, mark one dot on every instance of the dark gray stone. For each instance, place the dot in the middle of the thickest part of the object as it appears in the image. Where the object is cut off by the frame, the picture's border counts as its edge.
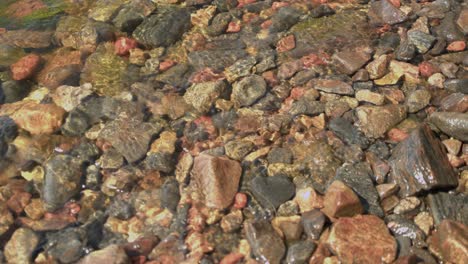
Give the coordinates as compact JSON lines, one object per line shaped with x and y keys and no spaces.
{"x":422,"y":41}
{"x":347,"y":132}
{"x":400,"y":226}
{"x":405,"y":51}
{"x":304,"y":106}
{"x":453,"y":124}
{"x":8,"y":129}
{"x":66,"y":246}
{"x":272,"y":191}
{"x":313,"y":223}
{"x":383,"y":12}
{"x":285,"y":18}
{"x":265,"y":243}
{"x":457,"y":85}
{"x":300,"y":252}
{"x":248,"y":90}
{"x":160,"y":161}
{"x":280,"y":155}
{"x":121,"y":208}
{"x":170,"y":195}
{"x":448,"y":206}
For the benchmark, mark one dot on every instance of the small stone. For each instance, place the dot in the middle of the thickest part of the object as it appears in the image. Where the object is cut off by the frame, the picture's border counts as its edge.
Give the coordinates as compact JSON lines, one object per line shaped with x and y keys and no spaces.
{"x":378,"y":67}
{"x":240,"y":68}
{"x":285,"y":44}
{"x":376,"y":120}
{"x":202,"y":95}
{"x":422,"y":41}
{"x":437,"y":80}
{"x":453,"y":146}
{"x":362,"y":239}
{"x":217,"y":179}
{"x":35,"y":209}
{"x":272,"y":191}
{"x":264,"y":241}
{"x":455,"y":46}
{"x":248,"y":90}
{"x":347,"y":132}
{"x":233,"y":27}
{"x":370,"y":97}
{"x":341,"y":201}
{"x":232,"y":221}
{"x":166,"y":143}
{"x":313,"y":222}
{"x":462,"y":20}
{"x":170,"y":195}
{"x":457,"y":85}
{"x":348,"y":62}
{"x":238,"y":149}
{"x":383,"y":12}
{"x":402,"y":226}
{"x":123,"y":46}
{"x":449,"y":242}
{"x":405,"y":51}
{"x":422,"y":153}
{"x":424,"y":221}
{"x":300,"y":252}
{"x":389,"y":203}
{"x":452,"y":123}
{"x":25,"y":67}
{"x":379,"y":167}
{"x":69,"y":97}
{"x":407,"y":205}
{"x":308,"y":199}
{"x":280,"y":155}
{"x":111,"y":254}
{"x":289,"y":227}
{"x":21,"y":246}
{"x":386,"y":189}
{"x":427,"y":69}
{"x":417,"y":100}
{"x":333,"y":86}
{"x":240,"y":200}
{"x":455,"y":102}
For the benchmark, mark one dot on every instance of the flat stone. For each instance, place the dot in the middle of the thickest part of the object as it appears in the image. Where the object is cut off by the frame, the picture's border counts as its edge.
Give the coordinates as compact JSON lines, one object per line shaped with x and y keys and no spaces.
{"x":449,"y":242}
{"x":426,"y":169}
{"x":362,"y":239}
{"x":370,"y":97}
{"x":375,"y":121}
{"x":289,"y":227}
{"x":341,"y":201}
{"x":264,"y":242}
{"x":452,"y":123}
{"x":348,"y":62}
{"x":24,"y":38}
{"x":273,"y":190}
{"x":248,"y":90}
{"x":455,"y":102}
{"x":238,"y":149}
{"x":423,"y":41}
{"x":203,"y":95}
{"x":384,"y":12}
{"x":333,"y":86}
{"x":68,"y":97}
{"x":217,"y":178}
{"x":21,"y":246}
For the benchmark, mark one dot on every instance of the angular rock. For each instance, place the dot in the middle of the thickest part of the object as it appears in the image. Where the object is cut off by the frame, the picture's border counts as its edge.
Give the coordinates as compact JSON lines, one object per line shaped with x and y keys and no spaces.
{"x":111,"y":254}
{"x":370,"y":97}
{"x":21,"y":246}
{"x":305,"y":106}
{"x":26,"y":67}
{"x":132,"y":14}
{"x":313,"y":222}
{"x":300,"y":252}
{"x":248,"y":90}
{"x":375,"y":121}
{"x":289,"y":227}
{"x":448,"y":206}
{"x":417,"y":100}
{"x":264,"y":242}
{"x":452,"y":123}
{"x":217,"y":59}
{"x":202,"y":95}
{"x":462,"y":20}
{"x":217,"y":178}
{"x":347,"y":132}
{"x":341,"y":201}
{"x":384,"y":12}
{"x":455,"y":102}
{"x":348,"y":62}
{"x":378,"y":67}
{"x":333,"y":86}
{"x":68,"y":97}
{"x":272,"y":191}
{"x":449,"y":242}
{"x":403,"y":227}
{"x":103,"y":10}
{"x":238,"y":149}
{"x":420,"y":163}
{"x":421,"y":40}
{"x":362,"y":239}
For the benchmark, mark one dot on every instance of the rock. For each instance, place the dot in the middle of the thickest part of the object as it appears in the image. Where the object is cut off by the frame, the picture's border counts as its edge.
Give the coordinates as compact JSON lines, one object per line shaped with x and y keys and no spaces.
{"x":24,"y":38}
{"x":375,"y":121}
{"x":447,"y":29}
{"x":132,"y":14}
{"x":65,"y":246}
{"x":25,"y":67}
{"x":68,"y":97}
{"x":437,"y":80}
{"x":285,"y":44}
{"x":168,"y":250}
{"x":305,"y":106}
{"x":248,"y":90}
{"x":217,"y":178}
{"x":425,"y":169}
{"x":421,"y":40}
{"x":333,"y":86}
{"x":62,"y":181}
{"x":341,"y":201}
{"x":300,"y":252}
{"x":21,"y":246}
{"x":448,"y":206}
{"x":451,"y":123}
{"x":407,"y":205}
{"x":170,"y":195}
{"x":238,"y":149}
{"x":348,"y":62}
{"x":455,"y":46}
{"x":63,"y":68}
{"x":383,"y":12}
{"x":114,"y":254}
{"x":202,"y":95}
{"x":307,"y":199}
{"x":8,"y":129}
{"x":347,"y":132}
{"x":264,"y":242}
{"x":386,"y":189}
{"x":163,"y":28}
{"x":403,"y":227}
{"x":417,"y":100}
{"x":370,"y":97}
{"x":289,"y":227}
{"x":280,"y":155}
{"x":240,"y":68}
{"x":313,"y":222}
{"x":217,"y":59}
{"x":462,"y":20}
{"x":232,"y":221}
{"x":424,"y":221}
{"x":285,"y":18}
{"x":362,"y":239}
{"x":457,"y":85}
{"x":82,"y":33}
{"x":455,"y":102}
{"x":449,"y":242}
{"x":405,"y":51}
{"x":123,"y":46}
{"x":103,"y":10}
{"x":272,"y":191}
{"x":130,"y":138}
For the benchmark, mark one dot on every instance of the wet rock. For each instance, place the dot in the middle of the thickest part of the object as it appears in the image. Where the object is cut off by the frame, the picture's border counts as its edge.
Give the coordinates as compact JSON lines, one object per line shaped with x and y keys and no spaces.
{"x":376,"y":120}
{"x":405,"y":51}
{"x":407,"y":205}
{"x":217,"y":178}
{"x":21,"y":246}
{"x":378,"y":67}
{"x":123,"y":46}
{"x":305,"y":106}
{"x":451,"y":123}
{"x":341,"y":201}
{"x":300,"y":252}
{"x":462,"y":20}
{"x":348,"y":62}
{"x":121,"y":208}
{"x":238,"y":149}
{"x":130,"y":138}
{"x":24,"y":38}
{"x":383,"y":12}
{"x":370,"y":97}
{"x":455,"y":102}
{"x":308,"y":199}
{"x":424,"y":221}
{"x":103,"y":10}
{"x":111,"y":254}
{"x":333,"y":86}
{"x":232,"y":221}
{"x":362,"y":239}
{"x":26,"y":67}
{"x":421,"y":40}
{"x":65,"y":246}
{"x":81,"y":32}
{"x":347,"y":132}
{"x":285,"y":18}
{"x":386,"y":189}
{"x":170,"y":195}
{"x":240,"y":68}
{"x":265,"y":243}
{"x":219,"y":24}
{"x":448,"y":206}
{"x":448,"y":29}
{"x":272,"y":191}
{"x":8,"y":129}
{"x":289,"y":227}
{"x":424,"y":169}
{"x":280,"y":155}
{"x":457,"y":85}
{"x":313,"y":222}
{"x":449,"y":242}
{"x":168,"y":250}
{"x":68,"y":97}
{"x":248,"y":90}
{"x":400,"y":226}
{"x":202,"y":95}
{"x":163,"y":28}
{"x":417,"y":100}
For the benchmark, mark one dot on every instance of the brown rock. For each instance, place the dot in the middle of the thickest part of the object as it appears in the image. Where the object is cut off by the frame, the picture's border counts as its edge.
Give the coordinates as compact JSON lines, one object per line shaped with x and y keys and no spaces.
{"x":289,"y":227}
{"x":386,"y":189}
{"x":24,"y":8}
{"x":333,"y":86}
{"x":286,"y":43}
{"x":362,"y":239}
{"x":378,"y":67}
{"x":376,"y":120}
{"x":24,"y":38}
{"x":389,"y":203}
{"x":114,"y":254}
{"x":232,"y":221}
{"x":25,"y":67}
{"x":21,"y":246}
{"x":217,"y":179}
{"x":349,"y":62}
{"x":18,"y":201}
{"x":62,"y":68}
{"x":450,"y":243}
{"x":420,"y":164}
{"x":340,"y":201}
{"x":308,"y":199}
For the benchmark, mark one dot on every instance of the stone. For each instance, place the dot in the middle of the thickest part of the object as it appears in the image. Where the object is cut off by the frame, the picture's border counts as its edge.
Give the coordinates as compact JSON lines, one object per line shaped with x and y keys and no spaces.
{"x":375,"y":121}
{"x":248,"y":90}
{"x":421,"y":40}
{"x":452,"y":123}
{"x":449,"y":242}
{"x":25,"y":67}
{"x":455,"y":46}
{"x":386,"y":189}
{"x":232,"y":221}
{"x":348,"y":62}
{"x":62,"y":181}
{"x":170,"y":195}
{"x":305,"y":106}
{"x":264,"y":242}
{"x":69,"y":97}
{"x":203,"y":95}
{"x":333,"y":86}
{"x":462,"y":20}
{"x":426,"y":169}
{"x":123,"y":46}
{"x":405,"y":51}
{"x":370,"y":97}
{"x":308,"y":199}
{"x":280,"y":155}
{"x":407,"y":205}
{"x":272,"y":191}
{"x":455,"y":102}
{"x":457,"y":85}
{"x":300,"y":252}
{"x":104,"y":10}
{"x":285,"y":44}
{"x":285,"y":18}
{"x":449,"y":206}
{"x":129,"y":137}
{"x":341,"y":201}
{"x":313,"y":222}
{"x":347,"y":132}
{"x":417,"y":100}
{"x":217,"y":178}
{"x":398,"y":70}
{"x":289,"y":227}
{"x":82,"y":33}
{"x":424,"y":221}
{"x":436,"y":80}
{"x":8,"y":129}
{"x":403,"y":227}
{"x":21,"y":246}
{"x":25,"y":38}
{"x":238,"y":149}
{"x":362,"y":239}
{"x":453,"y":146}
{"x":240,"y":68}
{"x":112,"y":254}
{"x":163,"y":28}
{"x":132,"y":14}
{"x":383,"y":12}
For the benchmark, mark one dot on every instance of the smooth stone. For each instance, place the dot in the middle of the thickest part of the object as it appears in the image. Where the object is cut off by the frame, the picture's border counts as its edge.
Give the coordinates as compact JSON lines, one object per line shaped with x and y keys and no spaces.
{"x":452,"y":123}
{"x":248,"y":90}
{"x":300,"y":252}
{"x":21,"y":246}
{"x":265,"y":243}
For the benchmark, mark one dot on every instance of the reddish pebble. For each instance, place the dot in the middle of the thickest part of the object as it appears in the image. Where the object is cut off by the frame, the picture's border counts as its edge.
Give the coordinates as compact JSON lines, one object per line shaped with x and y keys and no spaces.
{"x":233,"y":27}
{"x":395,"y":3}
{"x":278,"y":5}
{"x":286,"y":43}
{"x":242,"y":3}
{"x":457,"y":46}
{"x":205,"y":75}
{"x":123,"y":46}
{"x":311,"y":60}
{"x":271,"y":78}
{"x":232,"y":258}
{"x":167,"y":64}
{"x":18,"y":201}
{"x":397,"y":135}
{"x":297,"y":92}
{"x":266,"y":24}
{"x":427,"y":69}
{"x":25,"y":67}
{"x":240,"y":200}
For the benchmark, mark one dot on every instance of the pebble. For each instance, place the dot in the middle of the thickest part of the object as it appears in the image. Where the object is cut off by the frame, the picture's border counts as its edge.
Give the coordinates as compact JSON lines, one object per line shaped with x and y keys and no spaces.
{"x":238,"y":149}
{"x":452,"y":123}
{"x":386,"y":189}
{"x":232,"y":221}
{"x":313,"y":222}
{"x":417,"y":100}
{"x":341,"y":201}
{"x":273,"y":190}
{"x":300,"y":252}
{"x":308,"y":199}
{"x":455,"y":46}
{"x":370,"y":97}
{"x":448,"y":242}
{"x":348,"y":62}
{"x":69,"y":97}
{"x":378,"y":67}
{"x":376,"y":120}
{"x":384,"y":12}
{"x":123,"y":46}
{"x":424,"y":221}
{"x":248,"y":90}
{"x":289,"y":227}
{"x":113,"y":254}
{"x":437,"y":80}
{"x":202,"y":95}
{"x":25,"y":67}
{"x":407,"y":205}
{"x":333,"y":86}
{"x":265,"y":243}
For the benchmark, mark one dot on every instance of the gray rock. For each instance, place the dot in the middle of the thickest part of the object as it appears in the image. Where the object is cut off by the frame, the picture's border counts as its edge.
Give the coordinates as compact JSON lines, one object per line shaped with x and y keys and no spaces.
{"x":383,"y":12}
{"x":272,"y":191}
{"x":66,"y":246}
{"x":265,"y":243}
{"x":333,"y":86}
{"x":248,"y":90}
{"x":455,"y":102}
{"x":280,"y":155}
{"x":419,"y":163}
{"x":405,"y":51}
{"x":21,"y":246}
{"x":202,"y":95}
{"x":300,"y":252}
{"x":216,"y":59}
{"x":8,"y":129}
{"x":163,"y":28}
{"x":132,"y":14}
{"x":24,"y":38}
{"x":121,"y":208}
{"x":81,"y":32}
{"x":448,"y":206}
{"x":457,"y":85}
{"x":313,"y":223}
{"x":448,"y":29}
{"x":304,"y":106}
{"x":452,"y":123}
{"x":170,"y":195}
{"x":347,"y":132}
{"x":400,"y":226}
{"x":160,"y":161}
{"x":219,"y":24}
{"x":285,"y":18}
{"x":14,"y":91}
{"x":417,"y":100}
{"x":422,"y":41}
{"x":240,"y":68}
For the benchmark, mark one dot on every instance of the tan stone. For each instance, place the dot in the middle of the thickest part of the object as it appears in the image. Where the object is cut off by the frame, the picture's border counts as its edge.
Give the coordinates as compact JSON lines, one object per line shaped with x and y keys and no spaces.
{"x":165,"y":143}
{"x":370,"y":97}
{"x":21,"y":246}
{"x":308,"y":199}
{"x":340,"y":201}
{"x":425,"y":221}
{"x":289,"y":227}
